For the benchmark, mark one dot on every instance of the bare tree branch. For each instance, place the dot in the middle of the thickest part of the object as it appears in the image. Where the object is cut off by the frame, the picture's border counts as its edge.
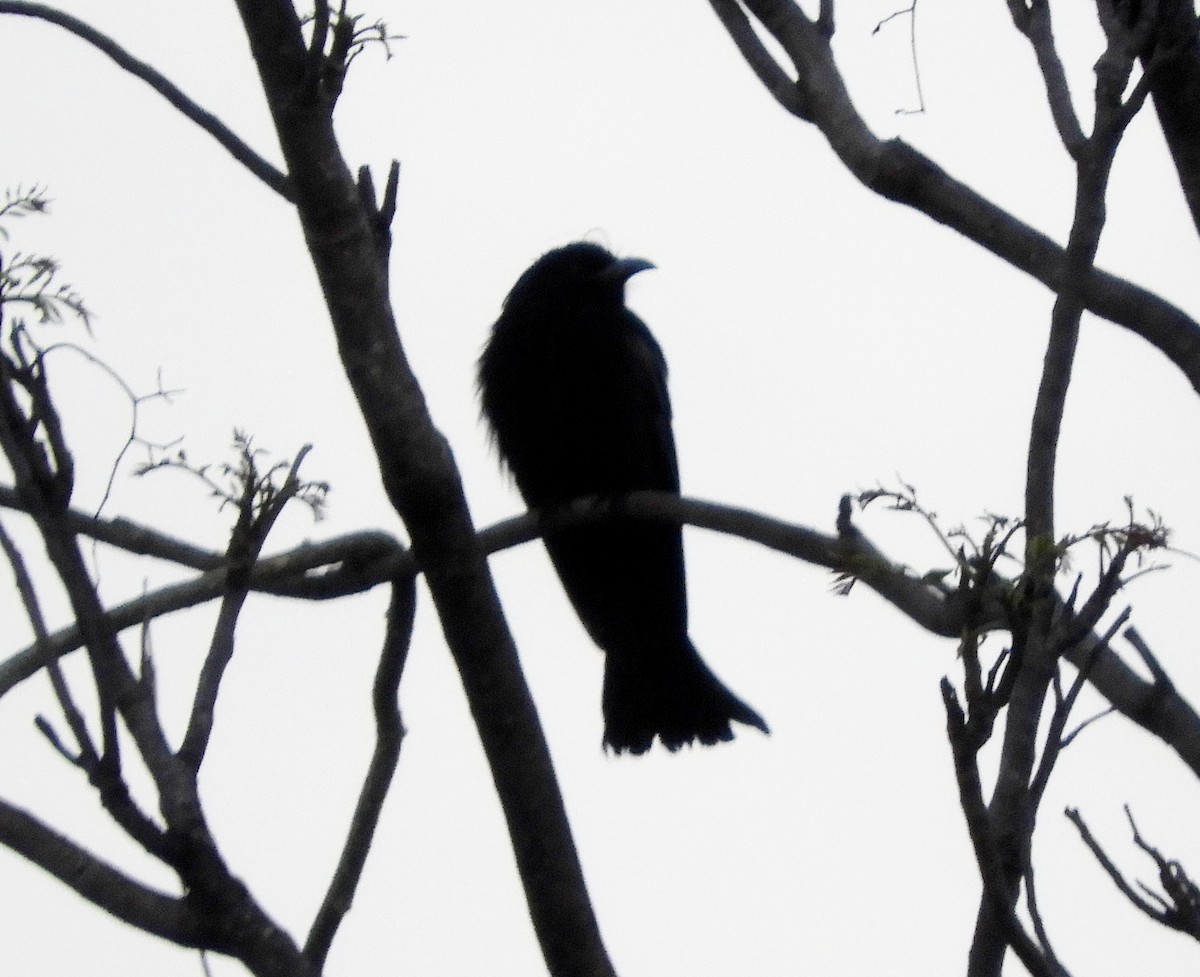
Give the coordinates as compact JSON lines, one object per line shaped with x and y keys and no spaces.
{"x":389,"y":732}
{"x":900,"y":173}
{"x":258,"y":509}
{"x":999,"y":890}
{"x":239,"y":150}
{"x":172,"y":917}
{"x":1033,"y":20}
{"x":424,"y":486}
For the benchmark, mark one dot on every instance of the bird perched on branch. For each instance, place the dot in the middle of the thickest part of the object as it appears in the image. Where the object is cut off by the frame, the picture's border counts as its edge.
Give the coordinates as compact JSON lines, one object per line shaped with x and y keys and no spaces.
{"x":574,"y":388}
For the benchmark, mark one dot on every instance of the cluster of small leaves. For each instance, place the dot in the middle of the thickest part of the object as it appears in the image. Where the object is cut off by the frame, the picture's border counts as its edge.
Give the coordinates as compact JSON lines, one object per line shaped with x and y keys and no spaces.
{"x":30,"y":280}
{"x":233,"y":483}
{"x":1135,"y":537}
{"x":20,"y":203}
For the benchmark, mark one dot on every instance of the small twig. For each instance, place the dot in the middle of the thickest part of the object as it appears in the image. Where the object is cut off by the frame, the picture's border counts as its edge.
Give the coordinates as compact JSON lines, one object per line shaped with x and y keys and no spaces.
{"x":135,"y":402}
{"x":911,"y":11}
{"x":1055,"y":739}
{"x":1070,"y":737}
{"x":1184,"y":915}
{"x":1107,"y":864}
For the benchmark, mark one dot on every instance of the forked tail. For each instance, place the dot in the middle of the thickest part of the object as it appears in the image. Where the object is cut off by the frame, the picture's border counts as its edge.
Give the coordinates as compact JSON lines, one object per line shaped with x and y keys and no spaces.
{"x":669,"y":693}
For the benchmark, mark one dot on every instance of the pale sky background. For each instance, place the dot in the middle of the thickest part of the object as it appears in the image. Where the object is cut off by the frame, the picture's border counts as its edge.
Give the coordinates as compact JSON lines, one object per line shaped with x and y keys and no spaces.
{"x":820,"y":340}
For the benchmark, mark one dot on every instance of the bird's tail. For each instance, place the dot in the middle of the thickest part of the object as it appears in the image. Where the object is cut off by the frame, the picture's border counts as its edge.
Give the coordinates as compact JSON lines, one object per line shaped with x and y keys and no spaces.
{"x":672,"y":695}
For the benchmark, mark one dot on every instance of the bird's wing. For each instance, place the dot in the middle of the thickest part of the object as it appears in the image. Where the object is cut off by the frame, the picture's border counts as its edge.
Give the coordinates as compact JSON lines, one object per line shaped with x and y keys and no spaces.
{"x":651,"y":441}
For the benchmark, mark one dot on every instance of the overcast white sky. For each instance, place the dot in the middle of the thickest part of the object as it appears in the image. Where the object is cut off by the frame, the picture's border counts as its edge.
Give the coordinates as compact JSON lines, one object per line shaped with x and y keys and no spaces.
{"x":820,"y":340}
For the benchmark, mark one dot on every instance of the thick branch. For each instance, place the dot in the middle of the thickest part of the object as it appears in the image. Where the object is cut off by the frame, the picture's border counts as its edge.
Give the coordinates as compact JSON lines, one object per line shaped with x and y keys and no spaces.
{"x":128,"y":900}
{"x":900,"y":173}
{"x":424,"y":486}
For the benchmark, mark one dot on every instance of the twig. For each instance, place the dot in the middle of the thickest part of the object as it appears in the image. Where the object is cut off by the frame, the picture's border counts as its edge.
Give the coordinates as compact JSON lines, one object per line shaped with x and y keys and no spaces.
{"x":911,"y":10}
{"x":1114,"y":873}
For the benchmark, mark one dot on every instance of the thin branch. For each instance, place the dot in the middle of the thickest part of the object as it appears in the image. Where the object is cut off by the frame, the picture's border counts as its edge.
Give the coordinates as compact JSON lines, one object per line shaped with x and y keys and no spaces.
{"x":126,"y":535}
{"x":981,"y":831}
{"x":86,"y":751}
{"x":1184,"y":913}
{"x":103,"y":772}
{"x":1159,"y":915}
{"x":1034,"y":22}
{"x":362,"y":562}
{"x":825,"y":19}
{"x":774,"y":79}
{"x":255,"y":520}
{"x":1056,"y":740}
{"x":1161,"y":679}
{"x":389,"y":732}
{"x":239,"y":150}
{"x":1059,"y":359}
{"x":1035,"y":917}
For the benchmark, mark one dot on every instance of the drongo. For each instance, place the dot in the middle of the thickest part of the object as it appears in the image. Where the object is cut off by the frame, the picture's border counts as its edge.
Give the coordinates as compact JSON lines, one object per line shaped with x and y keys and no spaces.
{"x":574,"y":388}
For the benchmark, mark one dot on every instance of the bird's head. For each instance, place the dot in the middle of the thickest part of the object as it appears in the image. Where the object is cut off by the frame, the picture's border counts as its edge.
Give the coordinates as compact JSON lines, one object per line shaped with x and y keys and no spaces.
{"x":580,"y":272}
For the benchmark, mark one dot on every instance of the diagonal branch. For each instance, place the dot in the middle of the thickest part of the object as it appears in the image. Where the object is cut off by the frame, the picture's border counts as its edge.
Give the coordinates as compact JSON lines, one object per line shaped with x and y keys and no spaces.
{"x":900,"y":173}
{"x":259,"y":508}
{"x":173,"y":918}
{"x":238,"y":149}
{"x":425,"y":487}
{"x":363,"y":560}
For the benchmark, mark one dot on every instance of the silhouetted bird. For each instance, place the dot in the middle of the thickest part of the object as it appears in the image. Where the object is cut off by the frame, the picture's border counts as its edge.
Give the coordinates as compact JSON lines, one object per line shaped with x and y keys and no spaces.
{"x":575,"y":390}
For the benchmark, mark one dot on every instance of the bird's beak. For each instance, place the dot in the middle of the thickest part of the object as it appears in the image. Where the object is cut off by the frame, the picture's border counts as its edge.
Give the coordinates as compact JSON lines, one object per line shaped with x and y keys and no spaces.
{"x":624,"y":269}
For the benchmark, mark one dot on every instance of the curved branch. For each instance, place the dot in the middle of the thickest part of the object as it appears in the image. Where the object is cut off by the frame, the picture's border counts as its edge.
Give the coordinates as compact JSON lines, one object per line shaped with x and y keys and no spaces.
{"x":389,"y":732}
{"x":364,"y":559}
{"x":125,"y":535}
{"x":368,"y":559}
{"x":239,"y":150}
{"x":897,"y":171}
